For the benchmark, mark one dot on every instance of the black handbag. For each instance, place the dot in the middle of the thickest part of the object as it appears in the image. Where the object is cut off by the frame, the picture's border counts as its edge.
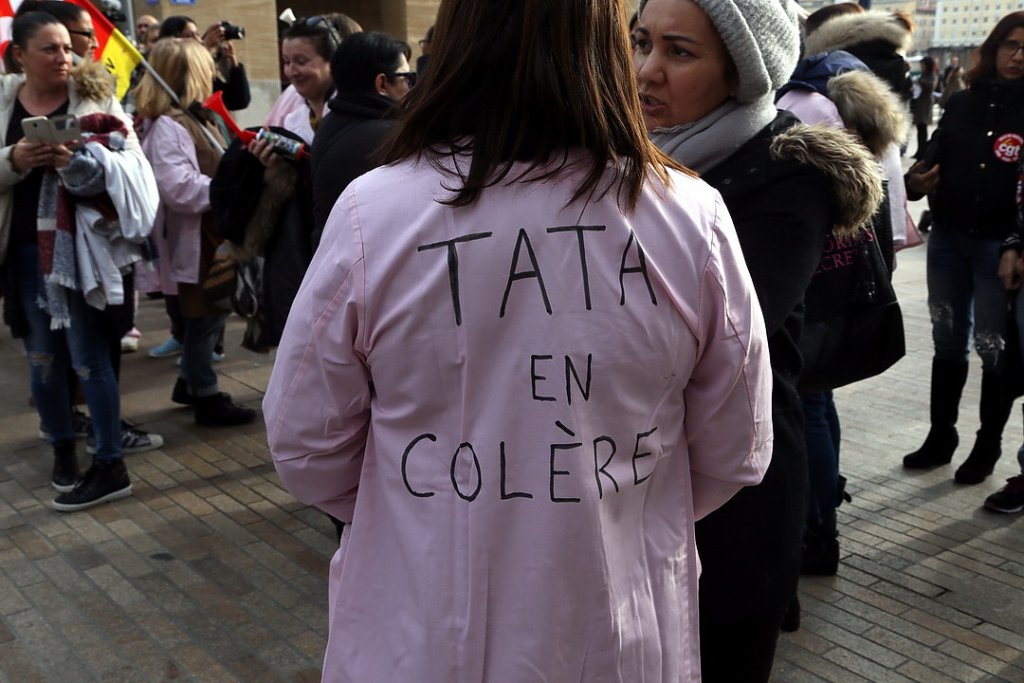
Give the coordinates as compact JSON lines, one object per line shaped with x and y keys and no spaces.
{"x":853,"y":325}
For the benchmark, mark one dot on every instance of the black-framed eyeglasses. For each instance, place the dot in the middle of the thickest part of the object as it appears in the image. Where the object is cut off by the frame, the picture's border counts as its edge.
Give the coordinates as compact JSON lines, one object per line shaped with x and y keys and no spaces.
{"x":409,"y":76}
{"x":1010,"y":47}
{"x":91,"y":35}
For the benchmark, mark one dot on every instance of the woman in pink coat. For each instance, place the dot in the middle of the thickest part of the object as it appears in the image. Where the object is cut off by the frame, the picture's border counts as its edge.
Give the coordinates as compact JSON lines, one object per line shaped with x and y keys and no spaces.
{"x":525,"y":359}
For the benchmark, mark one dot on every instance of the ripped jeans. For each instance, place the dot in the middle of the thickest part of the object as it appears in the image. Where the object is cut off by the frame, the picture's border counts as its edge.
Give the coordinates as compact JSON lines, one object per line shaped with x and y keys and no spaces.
{"x":52,"y":353}
{"x":965,"y":293}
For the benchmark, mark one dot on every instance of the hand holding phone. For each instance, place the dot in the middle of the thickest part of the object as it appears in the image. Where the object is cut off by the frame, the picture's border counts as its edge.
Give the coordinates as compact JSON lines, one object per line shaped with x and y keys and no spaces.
{"x":58,"y":129}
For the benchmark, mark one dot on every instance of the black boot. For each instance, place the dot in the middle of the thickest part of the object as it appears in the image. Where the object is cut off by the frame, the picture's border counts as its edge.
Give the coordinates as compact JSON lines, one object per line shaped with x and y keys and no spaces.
{"x":821,"y":548}
{"x":181,"y":394}
{"x":65,"y":466}
{"x":220,"y":411}
{"x":948,"y":380}
{"x":994,"y":410}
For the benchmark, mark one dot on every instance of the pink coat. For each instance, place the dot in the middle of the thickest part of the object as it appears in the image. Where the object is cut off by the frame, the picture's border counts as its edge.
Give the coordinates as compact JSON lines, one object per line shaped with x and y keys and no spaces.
{"x":521,"y":408}
{"x":184,"y":197}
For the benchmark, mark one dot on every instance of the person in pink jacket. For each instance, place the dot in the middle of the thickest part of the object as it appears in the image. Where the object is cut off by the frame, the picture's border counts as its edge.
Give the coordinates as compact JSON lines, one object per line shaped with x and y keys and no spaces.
{"x":526,"y":357}
{"x":184,"y":147}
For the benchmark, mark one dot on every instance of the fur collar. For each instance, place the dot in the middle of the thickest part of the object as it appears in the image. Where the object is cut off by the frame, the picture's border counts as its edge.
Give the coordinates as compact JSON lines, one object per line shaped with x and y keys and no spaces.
{"x":93,"y":81}
{"x":855,"y":175}
{"x":852,"y":29}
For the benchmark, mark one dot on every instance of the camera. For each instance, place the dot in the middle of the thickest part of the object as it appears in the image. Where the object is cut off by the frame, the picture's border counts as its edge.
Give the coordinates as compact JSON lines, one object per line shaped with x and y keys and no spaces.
{"x":231,"y":31}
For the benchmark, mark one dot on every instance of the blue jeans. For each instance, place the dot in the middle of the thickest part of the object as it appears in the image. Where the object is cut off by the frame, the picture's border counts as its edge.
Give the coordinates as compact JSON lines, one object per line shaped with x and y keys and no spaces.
{"x":83,"y":346}
{"x":200,"y":337}
{"x":822,"y":435}
{"x":964,"y":292}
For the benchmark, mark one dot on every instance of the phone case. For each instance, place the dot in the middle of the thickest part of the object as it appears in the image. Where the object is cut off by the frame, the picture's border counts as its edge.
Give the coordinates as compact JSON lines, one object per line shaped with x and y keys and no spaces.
{"x":59,"y":129}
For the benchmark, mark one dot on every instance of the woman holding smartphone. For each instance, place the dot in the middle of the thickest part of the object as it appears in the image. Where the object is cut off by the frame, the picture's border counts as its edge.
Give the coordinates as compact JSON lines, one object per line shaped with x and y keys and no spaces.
{"x":48,"y":86}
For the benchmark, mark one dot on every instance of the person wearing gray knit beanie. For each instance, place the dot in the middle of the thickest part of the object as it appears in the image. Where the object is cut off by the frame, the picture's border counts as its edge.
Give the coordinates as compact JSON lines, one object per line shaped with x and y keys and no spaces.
{"x":707,"y":72}
{"x":762,"y":37}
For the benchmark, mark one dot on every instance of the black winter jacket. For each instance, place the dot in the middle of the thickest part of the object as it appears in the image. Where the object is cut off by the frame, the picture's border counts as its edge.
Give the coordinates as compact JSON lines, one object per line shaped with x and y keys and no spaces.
{"x":982,"y":131}
{"x":344,"y":148}
{"x":783,"y":213}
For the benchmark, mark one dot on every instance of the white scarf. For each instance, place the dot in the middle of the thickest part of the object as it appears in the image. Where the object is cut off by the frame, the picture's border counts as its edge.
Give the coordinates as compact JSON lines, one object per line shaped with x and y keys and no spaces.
{"x":710,"y":140}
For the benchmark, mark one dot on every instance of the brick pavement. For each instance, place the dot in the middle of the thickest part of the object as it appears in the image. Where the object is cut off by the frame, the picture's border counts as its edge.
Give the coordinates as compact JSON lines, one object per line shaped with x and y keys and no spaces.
{"x":211,"y":572}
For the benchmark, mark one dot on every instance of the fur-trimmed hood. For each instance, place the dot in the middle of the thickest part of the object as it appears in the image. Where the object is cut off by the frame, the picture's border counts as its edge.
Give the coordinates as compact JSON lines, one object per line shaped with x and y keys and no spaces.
{"x":847,"y":30}
{"x":854,"y":174}
{"x":870,"y":108}
{"x":864,"y":101}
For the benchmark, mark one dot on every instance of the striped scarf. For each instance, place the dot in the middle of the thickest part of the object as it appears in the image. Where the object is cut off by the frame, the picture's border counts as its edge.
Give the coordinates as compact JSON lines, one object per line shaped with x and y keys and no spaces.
{"x":55,"y":231}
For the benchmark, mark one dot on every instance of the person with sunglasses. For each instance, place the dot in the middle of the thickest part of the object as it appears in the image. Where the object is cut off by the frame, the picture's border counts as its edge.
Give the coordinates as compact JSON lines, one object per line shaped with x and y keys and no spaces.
{"x":371,"y":74}
{"x":971,"y":188}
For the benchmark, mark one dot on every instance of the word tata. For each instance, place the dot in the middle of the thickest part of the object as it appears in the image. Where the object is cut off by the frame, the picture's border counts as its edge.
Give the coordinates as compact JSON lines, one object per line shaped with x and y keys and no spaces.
{"x":565,"y":468}
{"x":533,"y":270}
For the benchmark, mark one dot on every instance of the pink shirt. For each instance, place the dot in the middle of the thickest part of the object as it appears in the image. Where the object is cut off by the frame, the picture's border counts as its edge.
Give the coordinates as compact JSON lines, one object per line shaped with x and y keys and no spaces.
{"x":521,"y":408}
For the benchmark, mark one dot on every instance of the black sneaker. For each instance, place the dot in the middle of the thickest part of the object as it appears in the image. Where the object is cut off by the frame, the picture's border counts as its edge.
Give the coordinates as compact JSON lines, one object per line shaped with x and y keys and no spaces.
{"x":133,"y":440}
{"x":106,"y":480}
{"x":65,"y":466}
{"x":81,"y":424}
{"x":1010,"y":498}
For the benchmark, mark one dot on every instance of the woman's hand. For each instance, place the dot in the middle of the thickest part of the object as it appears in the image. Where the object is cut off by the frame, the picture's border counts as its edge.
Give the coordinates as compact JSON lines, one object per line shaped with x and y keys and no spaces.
{"x":264,"y":151}
{"x":26,"y":155}
{"x":1010,"y":268}
{"x":213,"y":36}
{"x":922,"y":181}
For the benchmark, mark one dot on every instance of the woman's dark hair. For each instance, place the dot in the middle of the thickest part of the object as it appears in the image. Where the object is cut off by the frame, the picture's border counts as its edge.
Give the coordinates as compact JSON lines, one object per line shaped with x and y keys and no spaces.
{"x":171,"y":27}
{"x":927,"y":65}
{"x":26,"y":25}
{"x":528,"y":81}
{"x":325,"y":32}
{"x":985,"y":56}
{"x":65,"y":12}
{"x":355,"y":65}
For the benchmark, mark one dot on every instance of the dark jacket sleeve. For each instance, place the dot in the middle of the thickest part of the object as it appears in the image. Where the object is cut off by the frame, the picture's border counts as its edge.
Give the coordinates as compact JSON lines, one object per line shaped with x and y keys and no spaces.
{"x":235,"y":88}
{"x":782,"y":228}
{"x":342,"y":151}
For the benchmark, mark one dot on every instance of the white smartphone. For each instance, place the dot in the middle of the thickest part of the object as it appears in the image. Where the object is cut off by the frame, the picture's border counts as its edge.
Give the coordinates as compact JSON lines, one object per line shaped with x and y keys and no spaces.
{"x":59,"y":129}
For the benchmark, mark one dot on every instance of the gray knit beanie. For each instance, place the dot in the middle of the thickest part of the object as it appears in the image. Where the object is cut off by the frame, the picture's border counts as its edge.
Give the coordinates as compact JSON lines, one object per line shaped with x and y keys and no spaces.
{"x":762,"y":37}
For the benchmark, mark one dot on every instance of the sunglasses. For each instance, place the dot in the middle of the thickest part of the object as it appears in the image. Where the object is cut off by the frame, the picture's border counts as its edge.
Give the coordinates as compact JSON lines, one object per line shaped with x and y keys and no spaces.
{"x":409,"y":76}
{"x":91,"y":35}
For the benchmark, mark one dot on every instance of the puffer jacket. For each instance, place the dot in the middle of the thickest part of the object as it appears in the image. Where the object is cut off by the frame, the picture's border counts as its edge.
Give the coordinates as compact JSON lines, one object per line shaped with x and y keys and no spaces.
{"x":980,"y":138}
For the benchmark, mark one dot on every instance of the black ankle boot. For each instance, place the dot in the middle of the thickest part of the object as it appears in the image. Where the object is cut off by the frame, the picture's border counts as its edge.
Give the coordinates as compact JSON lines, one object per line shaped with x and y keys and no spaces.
{"x":821,"y":549}
{"x":791,"y":620}
{"x":220,"y":411}
{"x":948,"y":380}
{"x":65,"y":466}
{"x":181,"y":394}
{"x":937,"y":449}
{"x":994,"y":412}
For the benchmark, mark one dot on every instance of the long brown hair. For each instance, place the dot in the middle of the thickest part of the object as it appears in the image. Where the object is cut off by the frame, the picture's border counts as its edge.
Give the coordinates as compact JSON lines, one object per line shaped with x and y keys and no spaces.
{"x":527,"y":81}
{"x":985,"y":56}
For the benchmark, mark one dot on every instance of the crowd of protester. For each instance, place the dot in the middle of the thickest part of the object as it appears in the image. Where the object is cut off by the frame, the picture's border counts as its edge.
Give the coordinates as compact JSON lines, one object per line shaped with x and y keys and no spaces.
{"x":690,"y":217}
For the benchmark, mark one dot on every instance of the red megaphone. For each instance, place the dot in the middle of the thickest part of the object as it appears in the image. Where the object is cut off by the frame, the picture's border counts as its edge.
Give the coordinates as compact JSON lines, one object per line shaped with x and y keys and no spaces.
{"x":215,"y":103}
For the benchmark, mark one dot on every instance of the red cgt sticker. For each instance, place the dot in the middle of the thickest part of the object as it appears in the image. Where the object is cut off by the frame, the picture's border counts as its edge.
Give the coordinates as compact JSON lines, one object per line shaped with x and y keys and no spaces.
{"x":1007,"y":147}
